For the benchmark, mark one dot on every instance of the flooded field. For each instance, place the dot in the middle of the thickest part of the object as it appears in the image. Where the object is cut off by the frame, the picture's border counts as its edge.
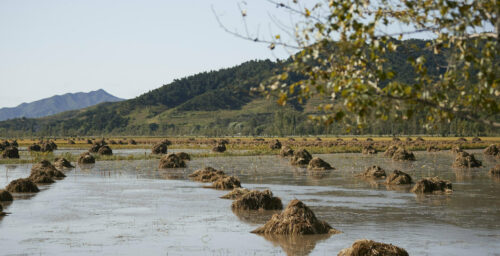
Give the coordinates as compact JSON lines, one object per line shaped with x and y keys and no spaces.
{"x":131,"y":207}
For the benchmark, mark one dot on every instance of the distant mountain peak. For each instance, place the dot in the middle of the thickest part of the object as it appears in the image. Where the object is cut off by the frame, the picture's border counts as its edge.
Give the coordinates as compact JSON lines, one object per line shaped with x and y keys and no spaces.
{"x":57,"y":104}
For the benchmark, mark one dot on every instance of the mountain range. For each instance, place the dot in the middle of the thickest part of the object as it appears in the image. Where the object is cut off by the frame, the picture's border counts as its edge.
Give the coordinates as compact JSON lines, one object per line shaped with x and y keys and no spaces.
{"x":57,"y":104}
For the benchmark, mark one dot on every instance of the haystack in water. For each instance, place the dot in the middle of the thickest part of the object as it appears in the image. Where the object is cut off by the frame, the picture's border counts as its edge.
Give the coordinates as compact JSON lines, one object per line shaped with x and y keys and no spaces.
{"x":466,"y":160}
{"x":105,"y":151}
{"x":431,"y":185}
{"x":219,"y":148}
{"x":5,"y":196}
{"x":491,"y":150}
{"x":48,"y":146}
{"x":257,"y":200}
{"x":171,"y":161}
{"x":369,"y":150}
{"x":373,"y":172}
{"x":44,"y":169}
{"x":317,"y":164}
{"x":286,"y":151}
{"x":23,"y":185}
{"x":226,"y":183}
{"x":86,"y":158}
{"x":184,"y":156}
{"x":403,"y":155}
{"x":10,"y":152}
{"x":432,"y":148}
{"x":456,"y":149}
{"x":301,"y":157}
{"x":371,"y":248}
{"x":63,"y":163}
{"x":296,"y":219}
{"x":207,"y":174}
{"x":235,"y":194}
{"x":476,"y":139}
{"x":398,"y":178}
{"x":389,"y":152}
{"x":159,"y":148}
{"x":276,"y":144}
{"x":495,"y":170}
{"x":34,"y":147}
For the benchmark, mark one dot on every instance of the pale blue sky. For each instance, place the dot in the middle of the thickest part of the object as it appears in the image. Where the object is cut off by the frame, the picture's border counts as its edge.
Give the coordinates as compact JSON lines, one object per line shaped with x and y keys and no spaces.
{"x":126,"y":47}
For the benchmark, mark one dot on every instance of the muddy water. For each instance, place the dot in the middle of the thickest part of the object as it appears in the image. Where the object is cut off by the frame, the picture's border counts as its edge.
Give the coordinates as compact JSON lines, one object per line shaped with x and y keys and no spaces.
{"x":131,"y":207}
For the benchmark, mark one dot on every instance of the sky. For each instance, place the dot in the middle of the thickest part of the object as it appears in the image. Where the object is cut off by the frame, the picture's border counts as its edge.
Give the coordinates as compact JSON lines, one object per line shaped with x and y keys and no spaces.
{"x":127,"y":48}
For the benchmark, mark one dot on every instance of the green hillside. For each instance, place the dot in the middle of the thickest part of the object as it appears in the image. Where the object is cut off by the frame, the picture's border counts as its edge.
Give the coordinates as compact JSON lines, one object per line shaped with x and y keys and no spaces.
{"x":218,"y":103}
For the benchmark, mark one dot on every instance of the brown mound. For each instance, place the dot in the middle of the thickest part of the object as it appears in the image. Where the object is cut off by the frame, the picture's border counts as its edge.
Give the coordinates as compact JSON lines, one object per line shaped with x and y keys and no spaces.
{"x":431,"y":185}
{"x":45,"y":168}
{"x":183,"y":155}
{"x":160,"y":148}
{"x":398,"y":178}
{"x":491,"y":150}
{"x":374,"y":171}
{"x":220,"y":148}
{"x":171,"y":161}
{"x":369,"y":139}
{"x":48,"y":146}
{"x":5,"y":196}
{"x":420,"y":139}
{"x":40,"y":178}
{"x":22,"y":186}
{"x":301,"y":157}
{"x":389,"y":152}
{"x":296,"y":219}
{"x":226,"y":183}
{"x":461,"y":139}
{"x":456,"y":149}
{"x":476,"y":139}
{"x":276,"y":144}
{"x":466,"y":160}
{"x":34,"y":147}
{"x":495,"y":170}
{"x":286,"y":151}
{"x":369,"y":150}
{"x":207,"y":174}
{"x":86,"y":158}
{"x":10,"y":152}
{"x":257,"y":200}
{"x":432,"y":148}
{"x":105,"y":151}
{"x":402,"y":154}
{"x":318,"y":164}
{"x":235,"y":194}
{"x":372,"y":248}
{"x":62,"y":163}
{"x":132,"y":142}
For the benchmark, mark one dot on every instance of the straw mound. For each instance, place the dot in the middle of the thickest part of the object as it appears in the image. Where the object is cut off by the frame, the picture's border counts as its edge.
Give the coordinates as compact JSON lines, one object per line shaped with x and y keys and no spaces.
{"x":235,"y":194}
{"x":456,"y":149}
{"x":132,"y":142}
{"x":86,"y":158}
{"x":257,"y":200}
{"x":45,"y":172}
{"x":10,"y":152}
{"x":495,"y":170}
{"x":34,"y":147}
{"x":62,"y":163}
{"x":22,"y":186}
{"x":226,"y":183}
{"x":398,"y":178}
{"x":371,"y":248}
{"x":466,"y":160}
{"x":402,"y":154}
{"x":207,"y":174}
{"x":160,"y":148}
{"x":184,"y":156}
{"x":491,"y":150}
{"x":296,"y":219}
{"x":461,"y":139}
{"x":276,"y":144}
{"x":48,"y":146}
{"x":389,"y":152}
{"x":41,"y":178}
{"x":171,"y":161}
{"x":220,"y":148}
{"x":286,"y":151}
{"x":301,"y":157}
{"x":369,"y":150}
{"x":432,"y":148}
{"x":374,"y":171}
{"x":317,"y":164}
{"x":105,"y":151}
{"x":431,"y":185}
{"x":369,"y":139}
{"x":5,"y":196}
{"x":420,"y":139}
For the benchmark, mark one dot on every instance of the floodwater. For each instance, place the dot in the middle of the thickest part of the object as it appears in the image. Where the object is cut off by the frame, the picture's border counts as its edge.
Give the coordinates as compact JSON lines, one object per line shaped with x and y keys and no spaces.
{"x":131,"y":207}
{"x":126,"y":151}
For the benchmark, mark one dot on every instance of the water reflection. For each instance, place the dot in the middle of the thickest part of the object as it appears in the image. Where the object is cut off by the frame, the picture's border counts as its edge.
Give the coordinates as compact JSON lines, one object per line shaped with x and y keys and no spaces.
{"x":296,"y":245}
{"x":254,"y":217}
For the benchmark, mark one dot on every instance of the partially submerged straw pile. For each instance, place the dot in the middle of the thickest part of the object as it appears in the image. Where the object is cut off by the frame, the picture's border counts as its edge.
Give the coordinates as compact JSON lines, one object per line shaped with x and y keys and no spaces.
{"x":466,"y":160}
{"x":86,"y":158}
{"x":207,"y":174}
{"x":257,"y":200}
{"x":45,"y":172}
{"x":296,"y":219}
{"x":398,"y":178}
{"x":23,"y":185}
{"x":374,"y":171}
{"x":171,"y":161}
{"x":371,"y":248}
{"x":286,"y":151}
{"x":369,"y":150}
{"x":5,"y":196}
{"x":301,"y":157}
{"x":62,"y":163}
{"x":318,"y":164}
{"x":431,"y":185}
{"x":226,"y":183}
{"x":235,"y":194}
{"x":402,"y":154}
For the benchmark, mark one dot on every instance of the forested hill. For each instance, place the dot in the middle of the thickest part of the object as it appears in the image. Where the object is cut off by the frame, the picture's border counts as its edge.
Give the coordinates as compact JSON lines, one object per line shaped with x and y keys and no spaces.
{"x":221,"y":103}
